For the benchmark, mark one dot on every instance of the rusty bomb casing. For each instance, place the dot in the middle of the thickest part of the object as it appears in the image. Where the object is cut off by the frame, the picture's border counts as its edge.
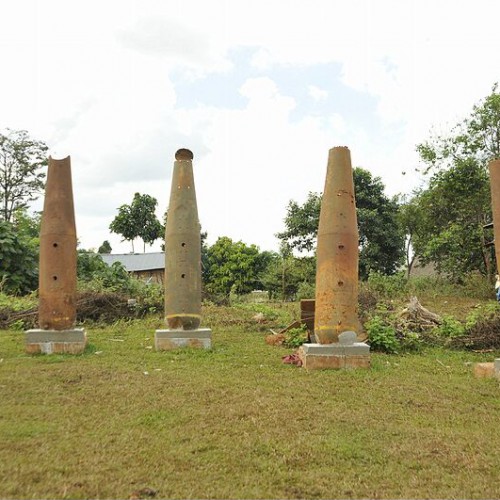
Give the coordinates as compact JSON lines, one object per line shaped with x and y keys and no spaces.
{"x":494,"y":168}
{"x":57,"y":279}
{"x":183,"y":249}
{"x":337,"y":253}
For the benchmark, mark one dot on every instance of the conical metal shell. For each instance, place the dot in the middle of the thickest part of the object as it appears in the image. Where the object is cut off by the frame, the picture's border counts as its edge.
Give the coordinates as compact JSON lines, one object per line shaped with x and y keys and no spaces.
{"x":57,"y":280}
{"x":337,"y":253}
{"x":183,"y":249}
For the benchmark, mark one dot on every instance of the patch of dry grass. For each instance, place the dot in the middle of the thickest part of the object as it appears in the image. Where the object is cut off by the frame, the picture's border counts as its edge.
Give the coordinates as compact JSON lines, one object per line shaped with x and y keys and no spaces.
{"x":234,"y":422}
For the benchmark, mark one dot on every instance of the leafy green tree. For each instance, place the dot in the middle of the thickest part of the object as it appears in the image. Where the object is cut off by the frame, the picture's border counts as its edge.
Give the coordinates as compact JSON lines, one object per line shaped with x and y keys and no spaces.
{"x":457,"y":203}
{"x":138,"y":220}
{"x":18,"y":259}
{"x":286,"y":274}
{"x":451,"y":214}
{"x":105,"y":247}
{"x":233,"y":267}
{"x":381,"y":238}
{"x":21,"y":179}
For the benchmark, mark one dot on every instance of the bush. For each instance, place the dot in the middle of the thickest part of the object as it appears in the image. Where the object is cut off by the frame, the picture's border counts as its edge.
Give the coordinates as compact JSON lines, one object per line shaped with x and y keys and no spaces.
{"x":387,"y":286}
{"x":96,"y":276}
{"x":18,"y":260}
{"x":306,"y":291}
{"x":381,"y":335}
{"x":295,"y":337}
{"x":449,"y":328}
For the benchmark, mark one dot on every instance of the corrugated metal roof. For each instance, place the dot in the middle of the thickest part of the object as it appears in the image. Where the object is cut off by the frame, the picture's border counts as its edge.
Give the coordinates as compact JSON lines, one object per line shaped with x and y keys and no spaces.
{"x":136,"y":261}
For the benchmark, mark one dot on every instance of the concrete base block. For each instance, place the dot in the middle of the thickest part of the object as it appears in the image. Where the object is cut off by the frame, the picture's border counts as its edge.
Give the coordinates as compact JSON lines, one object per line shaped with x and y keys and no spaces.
{"x":55,"y":341}
{"x":487,"y":370}
{"x":166,"y":340}
{"x":335,"y":356}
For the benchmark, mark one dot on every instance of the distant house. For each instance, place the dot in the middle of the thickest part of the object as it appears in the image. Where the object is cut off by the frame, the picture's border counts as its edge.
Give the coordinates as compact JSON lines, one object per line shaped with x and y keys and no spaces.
{"x":149,"y":267}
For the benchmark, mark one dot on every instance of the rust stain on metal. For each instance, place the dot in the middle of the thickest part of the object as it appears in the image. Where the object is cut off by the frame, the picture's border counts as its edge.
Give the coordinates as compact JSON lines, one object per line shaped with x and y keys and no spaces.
{"x":337,"y":253}
{"x":494,"y":168}
{"x":183,"y":249}
{"x":57,"y":278}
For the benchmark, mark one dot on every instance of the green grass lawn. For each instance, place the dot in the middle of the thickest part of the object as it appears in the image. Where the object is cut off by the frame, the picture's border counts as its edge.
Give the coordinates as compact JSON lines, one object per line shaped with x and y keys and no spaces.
{"x":234,"y":422}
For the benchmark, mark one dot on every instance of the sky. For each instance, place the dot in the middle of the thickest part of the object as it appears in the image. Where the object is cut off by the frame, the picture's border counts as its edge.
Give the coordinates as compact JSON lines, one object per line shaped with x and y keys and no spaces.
{"x":258,"y":90}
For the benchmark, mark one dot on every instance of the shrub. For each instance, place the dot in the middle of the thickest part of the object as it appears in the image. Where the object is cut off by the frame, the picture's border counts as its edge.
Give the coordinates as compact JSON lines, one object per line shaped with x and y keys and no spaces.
{"x":306,"y":291}
{"x":449,"y":328}
{"x":387,"y":286}
{"x":381,"y":335}
{"x":295,"y":337}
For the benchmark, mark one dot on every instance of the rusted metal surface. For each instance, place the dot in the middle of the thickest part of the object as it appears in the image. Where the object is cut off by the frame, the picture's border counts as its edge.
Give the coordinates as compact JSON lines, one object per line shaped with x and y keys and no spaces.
{"x":494,"y":167}
{"x":57,"y":281}
{"x":336,"y":309}
{"x":183,"y":249}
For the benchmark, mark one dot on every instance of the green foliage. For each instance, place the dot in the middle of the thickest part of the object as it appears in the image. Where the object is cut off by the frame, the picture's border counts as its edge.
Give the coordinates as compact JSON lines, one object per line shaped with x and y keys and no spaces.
{"x":306,"y":290}
{"x":482,"y":313}
{"x":19,"y":303}
{"x":138,"y":220}
{"x":18,"y":259}
{"x":287,"y":274}
{"x":452,"y":212}
{"x":387,"y":286}
{"x":295,"y":337}
{"x":449,"y":328}
{"x":268,"y":311}
{"x":233,"y":267}
{"x":301,"y":223}
{"x":105,"y":247}
{"x":456,"y":204}
{"x":380,"y":234}
{"x":93,"y":274}
{"x":21,"y":181}
{"x":382,"y":335}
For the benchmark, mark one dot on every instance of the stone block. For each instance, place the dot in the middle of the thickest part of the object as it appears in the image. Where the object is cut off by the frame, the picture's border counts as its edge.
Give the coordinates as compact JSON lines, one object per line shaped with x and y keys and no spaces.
{"x":487,"y":370}
{"x":39,"y":341}
{"x":335,"y":356}
{"x":167,"y":340}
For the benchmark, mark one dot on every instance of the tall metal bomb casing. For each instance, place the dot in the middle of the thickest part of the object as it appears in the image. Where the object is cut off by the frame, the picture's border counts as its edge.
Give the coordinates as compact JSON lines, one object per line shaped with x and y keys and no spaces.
{"x":337,"y":253}
{"x":494,"y":168}
{"x":57,"y":278}
{"x":183,"y":249}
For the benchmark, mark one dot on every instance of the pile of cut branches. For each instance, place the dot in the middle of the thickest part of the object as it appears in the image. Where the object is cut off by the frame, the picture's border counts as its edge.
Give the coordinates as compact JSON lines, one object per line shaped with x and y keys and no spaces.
{"x":96,"y":307}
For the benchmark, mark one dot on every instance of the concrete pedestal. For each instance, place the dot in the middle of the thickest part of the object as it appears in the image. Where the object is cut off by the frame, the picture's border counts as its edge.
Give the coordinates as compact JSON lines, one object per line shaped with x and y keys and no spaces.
{"x":345,"y":354}
{"x":55,"y":341}
{"x":166,"y":340}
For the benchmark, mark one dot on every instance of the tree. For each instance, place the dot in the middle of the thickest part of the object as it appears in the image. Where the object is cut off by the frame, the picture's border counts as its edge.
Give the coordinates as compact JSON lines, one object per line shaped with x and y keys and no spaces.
{"x":286,"y":274}
{"x":457,"y":203}
{"x":21,"y":180}
{"x":105,"y":247}
{"x":233,"y":267}
{"x":18,"y":258}
{"x":381,"y":238}
{"x":138,"y":220}
{"x":451,"y":214}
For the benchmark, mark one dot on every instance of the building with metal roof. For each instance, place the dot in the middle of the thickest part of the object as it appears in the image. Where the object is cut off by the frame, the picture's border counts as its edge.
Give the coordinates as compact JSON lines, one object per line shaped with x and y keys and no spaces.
{"x":149,"y":267}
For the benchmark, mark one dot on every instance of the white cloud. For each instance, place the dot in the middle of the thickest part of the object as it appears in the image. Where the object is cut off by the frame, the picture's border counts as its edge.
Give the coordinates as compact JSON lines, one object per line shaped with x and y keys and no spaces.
{"x":316,"y":93}
{"x":100,"y":81}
